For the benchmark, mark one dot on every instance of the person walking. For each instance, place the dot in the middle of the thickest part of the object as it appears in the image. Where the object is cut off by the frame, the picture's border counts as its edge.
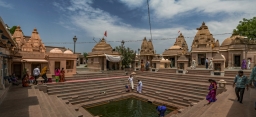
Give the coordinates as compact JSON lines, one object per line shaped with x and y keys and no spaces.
{"x":241,"y":82}
{"x":62,"y":75}
{"x":206,"y":63}
{"x":43,"y":74}
{"x":211,"y":97}
{"x":249,"y":64}
{"x":139,"y":87}
{"x":130,"y":81}
{"x":57,"y":74}
{"x":36,"y":73}
{"x":161,"y":110}
{"x":252,"y":80}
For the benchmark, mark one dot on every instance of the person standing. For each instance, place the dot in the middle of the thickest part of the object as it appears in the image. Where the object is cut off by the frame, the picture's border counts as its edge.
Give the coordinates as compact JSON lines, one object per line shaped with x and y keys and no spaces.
{"x":206,"y":63}
{"x":210,"y":64}
{"x":193,"y":64}
{"x":249,"y":64}
{"x":240,"y":81}
{"x":171,"y":63}
{"x":62,"y":75}
{"x":243,"y":64}
{"x":130,"y":81}
{"x":211,"y":97}
{"x":161,"y":110}
{"x":36,"y":73}
{"x":139,"y":87}
{"x":57,"y":74}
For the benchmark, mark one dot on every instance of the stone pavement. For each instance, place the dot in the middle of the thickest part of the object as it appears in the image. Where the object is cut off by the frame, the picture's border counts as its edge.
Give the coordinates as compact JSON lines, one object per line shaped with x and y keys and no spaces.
{"x":20,"y":102}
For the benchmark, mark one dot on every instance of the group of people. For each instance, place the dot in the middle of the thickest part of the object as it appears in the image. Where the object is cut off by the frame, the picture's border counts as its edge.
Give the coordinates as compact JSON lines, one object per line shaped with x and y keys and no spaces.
{"x":27,"y":79}
{"x":143,"y":66}
{"x":208,"y":64}
{"x":246,"y":65}
{"x":241,"y":82}
{"x":130,"y":85}
{"x":59,"y":75}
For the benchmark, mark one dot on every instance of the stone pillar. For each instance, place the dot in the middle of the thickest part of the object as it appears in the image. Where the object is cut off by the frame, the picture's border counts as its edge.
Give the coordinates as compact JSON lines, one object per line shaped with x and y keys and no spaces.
{"x":176,"y":60}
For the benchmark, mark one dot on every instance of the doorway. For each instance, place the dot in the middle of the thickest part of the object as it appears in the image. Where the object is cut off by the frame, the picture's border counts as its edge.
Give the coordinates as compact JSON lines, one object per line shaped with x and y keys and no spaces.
{"x":57,"y":64}
{"x":237,"y":60}
{"x":17,"y":70}
{"x":172,"y":64}
{"x":201,"y":59}
{"x":107,"y":65}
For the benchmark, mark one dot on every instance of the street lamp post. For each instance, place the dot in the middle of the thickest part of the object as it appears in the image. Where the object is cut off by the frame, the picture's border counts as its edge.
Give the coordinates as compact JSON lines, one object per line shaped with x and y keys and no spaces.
{"x":122,"y":51}
{"x":74,"y":39}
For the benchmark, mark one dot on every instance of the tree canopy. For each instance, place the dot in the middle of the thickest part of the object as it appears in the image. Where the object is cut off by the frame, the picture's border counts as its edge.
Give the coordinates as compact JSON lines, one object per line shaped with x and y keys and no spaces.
{"x":85,"y":55}
{"x":247,"y":28}
{"x":128,"y":55}
{"x":12,"y":30}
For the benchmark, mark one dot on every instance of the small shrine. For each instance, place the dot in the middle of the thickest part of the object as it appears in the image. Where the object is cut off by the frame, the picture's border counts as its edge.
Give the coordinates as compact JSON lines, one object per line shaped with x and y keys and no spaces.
{"x":103,"y":57}
{"x":174,"y":52}
{"x":218,"y":64}
{"x":146,"y":53}
{"x":182,"y":64}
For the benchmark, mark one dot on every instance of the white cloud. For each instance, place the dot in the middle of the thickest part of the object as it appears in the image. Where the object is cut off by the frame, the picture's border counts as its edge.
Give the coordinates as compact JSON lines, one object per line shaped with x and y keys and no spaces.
{"x":6,"y":5}
{"x":95,"y":21}
{"x":133,"y":3}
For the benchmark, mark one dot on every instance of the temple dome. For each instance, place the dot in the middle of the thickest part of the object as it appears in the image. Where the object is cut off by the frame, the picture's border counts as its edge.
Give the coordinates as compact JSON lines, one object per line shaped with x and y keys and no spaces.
{"x":56,"y":50}
{"x":175,"y":47}
{"x":68,"y":52}
{"x":230,"y":40}
{"x":102,"y":46}
{"x":227,"y":42}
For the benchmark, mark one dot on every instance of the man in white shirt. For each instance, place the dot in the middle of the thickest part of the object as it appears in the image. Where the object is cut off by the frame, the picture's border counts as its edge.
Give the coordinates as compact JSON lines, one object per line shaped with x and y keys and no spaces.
{"x":130,"y":81}
{"x":139,"y":87}
{"x":36,"y":73}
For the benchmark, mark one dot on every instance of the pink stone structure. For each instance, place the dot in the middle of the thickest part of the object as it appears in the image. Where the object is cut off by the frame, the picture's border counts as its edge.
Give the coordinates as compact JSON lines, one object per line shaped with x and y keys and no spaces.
{"x":32,"y":53}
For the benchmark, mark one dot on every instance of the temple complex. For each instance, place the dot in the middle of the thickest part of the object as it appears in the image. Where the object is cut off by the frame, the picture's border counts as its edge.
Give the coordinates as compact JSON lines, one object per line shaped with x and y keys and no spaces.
{"x":204,"y":46}
{"x":179,"y":48}
{"x":32,"y":52}
{"x":103,"y":57}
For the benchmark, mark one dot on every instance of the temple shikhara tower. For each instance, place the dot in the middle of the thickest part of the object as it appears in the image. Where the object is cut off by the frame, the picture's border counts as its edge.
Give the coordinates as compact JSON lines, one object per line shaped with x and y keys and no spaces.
{"x":204,"y":45}
{"x":179,"y":48}
{"x":147,"y":51}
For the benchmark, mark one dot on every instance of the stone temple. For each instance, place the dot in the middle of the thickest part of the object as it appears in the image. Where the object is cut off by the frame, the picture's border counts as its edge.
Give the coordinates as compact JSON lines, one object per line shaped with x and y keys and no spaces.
{"x":169,"y":79}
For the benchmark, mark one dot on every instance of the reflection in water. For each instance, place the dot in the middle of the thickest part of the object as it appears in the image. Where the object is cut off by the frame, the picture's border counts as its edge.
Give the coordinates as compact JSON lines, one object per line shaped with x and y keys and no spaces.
{"x":125,"y":108}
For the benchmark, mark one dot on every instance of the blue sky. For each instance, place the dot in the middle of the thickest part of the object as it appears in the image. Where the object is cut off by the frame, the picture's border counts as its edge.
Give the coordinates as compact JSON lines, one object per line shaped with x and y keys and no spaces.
{"x":60,"y":20}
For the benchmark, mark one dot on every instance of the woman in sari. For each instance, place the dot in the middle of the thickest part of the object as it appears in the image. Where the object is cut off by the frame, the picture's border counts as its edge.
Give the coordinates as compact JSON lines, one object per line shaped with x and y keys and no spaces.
{"x":62,"y":75}
{"x":211,"y":97}
{"x":244,"y":64}
{"x":25,"y":80}
{"x":57,"y":74}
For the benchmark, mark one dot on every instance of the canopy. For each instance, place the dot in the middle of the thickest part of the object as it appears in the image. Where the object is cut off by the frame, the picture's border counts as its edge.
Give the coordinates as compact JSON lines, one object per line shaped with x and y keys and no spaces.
{"x":35,"y":60}
{"x":112,"y":58}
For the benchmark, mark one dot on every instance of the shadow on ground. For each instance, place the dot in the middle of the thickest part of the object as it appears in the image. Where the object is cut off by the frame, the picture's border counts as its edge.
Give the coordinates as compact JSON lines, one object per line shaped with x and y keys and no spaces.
{"x":18,"y":103}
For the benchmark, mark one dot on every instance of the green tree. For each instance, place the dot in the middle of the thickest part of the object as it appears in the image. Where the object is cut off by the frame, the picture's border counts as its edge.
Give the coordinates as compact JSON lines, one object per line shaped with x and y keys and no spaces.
{"x":127,"y":54}
{"x":85,"y":55}
{"x":12,"y":30}
{"x":247,"y":28}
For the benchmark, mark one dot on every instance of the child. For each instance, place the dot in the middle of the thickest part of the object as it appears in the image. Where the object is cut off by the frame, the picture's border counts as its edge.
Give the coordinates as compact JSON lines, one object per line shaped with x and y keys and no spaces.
{"x":31,"y":79}
{"x":127,"y":88}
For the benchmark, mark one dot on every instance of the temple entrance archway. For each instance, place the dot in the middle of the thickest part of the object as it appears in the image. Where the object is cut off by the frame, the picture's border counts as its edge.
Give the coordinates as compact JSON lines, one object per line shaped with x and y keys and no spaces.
{"x":201,"y":59}
{"x":237,"y":60}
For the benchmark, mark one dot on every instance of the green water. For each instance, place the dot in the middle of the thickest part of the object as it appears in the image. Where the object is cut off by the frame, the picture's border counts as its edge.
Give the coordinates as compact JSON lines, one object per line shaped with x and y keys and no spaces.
{"x":126,"y":108}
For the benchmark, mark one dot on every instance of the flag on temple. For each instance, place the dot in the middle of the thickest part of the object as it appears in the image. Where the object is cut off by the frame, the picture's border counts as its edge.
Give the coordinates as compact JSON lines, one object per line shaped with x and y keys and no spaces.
{"x":105,"y":34}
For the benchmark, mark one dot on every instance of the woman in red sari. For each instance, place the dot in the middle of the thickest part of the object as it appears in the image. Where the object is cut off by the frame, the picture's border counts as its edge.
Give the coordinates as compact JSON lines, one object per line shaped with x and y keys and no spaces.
{"x":62,"y":75}
{"x":211,"y":97}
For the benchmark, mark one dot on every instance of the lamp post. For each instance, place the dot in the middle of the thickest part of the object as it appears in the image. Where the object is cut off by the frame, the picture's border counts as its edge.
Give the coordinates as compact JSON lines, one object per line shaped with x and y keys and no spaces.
{"x":74,"y":39}
{"x":122,"y":50}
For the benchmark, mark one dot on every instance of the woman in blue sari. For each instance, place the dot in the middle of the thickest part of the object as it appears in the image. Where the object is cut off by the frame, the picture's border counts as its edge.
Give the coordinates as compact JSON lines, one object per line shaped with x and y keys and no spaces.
{"x":211,"y":97}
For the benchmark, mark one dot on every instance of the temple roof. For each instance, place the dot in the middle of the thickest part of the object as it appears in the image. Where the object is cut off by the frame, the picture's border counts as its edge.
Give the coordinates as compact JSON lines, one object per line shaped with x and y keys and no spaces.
{"x":218,"y":57}
{"x":203,"y":38}
{"x":147,"y":47}
{"x":180,"y":46}
{"x":68,"y":52}
{"x":102,"y":46}
{"x":182,"y":58}
{"x":233,"y":39}
{"x":56,"y":50}
{"x":18,"y":32}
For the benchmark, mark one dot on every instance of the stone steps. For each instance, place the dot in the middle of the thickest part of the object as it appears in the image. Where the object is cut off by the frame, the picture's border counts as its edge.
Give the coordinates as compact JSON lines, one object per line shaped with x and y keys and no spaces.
{"x":52,"y":107}
{"x":234,"y":73}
